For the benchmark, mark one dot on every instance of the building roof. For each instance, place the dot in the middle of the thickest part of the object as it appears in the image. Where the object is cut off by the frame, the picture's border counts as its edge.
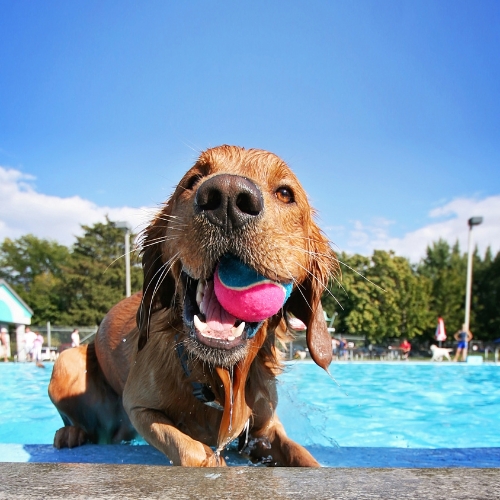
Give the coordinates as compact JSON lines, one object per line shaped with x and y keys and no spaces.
{"x":13,"y":309}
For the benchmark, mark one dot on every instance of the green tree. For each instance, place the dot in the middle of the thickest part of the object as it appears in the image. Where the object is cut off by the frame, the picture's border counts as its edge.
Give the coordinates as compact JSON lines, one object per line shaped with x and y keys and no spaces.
{"x":485,"y":312}
{"x":384,"y":297}
{"x":34,"y":268}
{"x":446,"y":269}
{"x":94,"y":279}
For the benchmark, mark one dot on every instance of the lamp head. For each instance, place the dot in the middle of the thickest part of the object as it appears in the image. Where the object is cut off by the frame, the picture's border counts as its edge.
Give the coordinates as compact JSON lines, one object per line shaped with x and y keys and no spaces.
{"x":475,"y":221}
{"x":123,"y":225}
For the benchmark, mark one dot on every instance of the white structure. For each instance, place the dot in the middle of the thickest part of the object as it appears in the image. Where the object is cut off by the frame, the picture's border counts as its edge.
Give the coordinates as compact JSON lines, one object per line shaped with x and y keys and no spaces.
{"x":125,"y":225}
{"x":14,"y":311}
{"x":473,"y":221}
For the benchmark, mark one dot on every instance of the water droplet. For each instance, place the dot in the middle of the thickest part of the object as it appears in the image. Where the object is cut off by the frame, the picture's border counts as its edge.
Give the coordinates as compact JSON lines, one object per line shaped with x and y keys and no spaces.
{"x":338,"y":385}
{"x":231,"y":401}
{"x":213,"y":475}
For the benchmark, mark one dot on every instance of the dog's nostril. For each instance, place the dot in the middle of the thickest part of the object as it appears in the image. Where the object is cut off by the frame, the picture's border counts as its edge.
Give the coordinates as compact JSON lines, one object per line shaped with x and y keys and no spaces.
{"x":248,"y":203}
{"x":213,"y":200}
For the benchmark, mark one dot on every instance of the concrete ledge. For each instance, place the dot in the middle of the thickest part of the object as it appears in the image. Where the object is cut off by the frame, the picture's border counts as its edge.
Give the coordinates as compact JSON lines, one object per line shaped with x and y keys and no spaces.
{"x":77,"y":481}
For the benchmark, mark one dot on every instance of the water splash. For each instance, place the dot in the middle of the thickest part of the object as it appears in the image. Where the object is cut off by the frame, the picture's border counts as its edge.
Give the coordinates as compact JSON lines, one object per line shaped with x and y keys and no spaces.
{"x":246,"y":429}
{"x":336,"y":383}
{"x":231,"y":399}
{"x":217,"y":456}
{"x":358,"y":405}
{"x":213,"y":475}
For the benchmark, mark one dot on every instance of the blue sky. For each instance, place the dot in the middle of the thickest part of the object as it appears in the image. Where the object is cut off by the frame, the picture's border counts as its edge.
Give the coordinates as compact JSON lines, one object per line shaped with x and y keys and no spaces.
{"x":388,"y":111}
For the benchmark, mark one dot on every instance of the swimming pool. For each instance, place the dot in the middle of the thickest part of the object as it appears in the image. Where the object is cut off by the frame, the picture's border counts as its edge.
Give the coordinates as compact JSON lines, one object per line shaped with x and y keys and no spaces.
{"x":398,"y":405}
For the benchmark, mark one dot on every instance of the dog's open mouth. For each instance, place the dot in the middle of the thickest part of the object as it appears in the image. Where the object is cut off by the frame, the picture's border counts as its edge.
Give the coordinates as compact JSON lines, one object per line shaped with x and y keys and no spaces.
{"x":208,"y":321}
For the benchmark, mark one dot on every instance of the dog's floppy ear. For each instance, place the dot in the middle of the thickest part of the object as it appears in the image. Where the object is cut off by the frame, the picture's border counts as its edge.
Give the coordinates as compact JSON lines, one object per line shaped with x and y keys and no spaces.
{"x":305,"y":300}
{"x":158,"y":289}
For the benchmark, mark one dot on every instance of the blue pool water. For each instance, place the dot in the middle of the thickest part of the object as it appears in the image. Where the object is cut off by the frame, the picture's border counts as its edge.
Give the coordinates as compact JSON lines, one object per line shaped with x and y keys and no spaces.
{"x":402,"y":405}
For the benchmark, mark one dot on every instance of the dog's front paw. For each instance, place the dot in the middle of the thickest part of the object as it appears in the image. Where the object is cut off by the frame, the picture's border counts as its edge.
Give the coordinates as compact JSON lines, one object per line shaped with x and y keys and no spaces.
{"x":69,"y":436}
{"x":201,"y":455}
{"x":213,"y":459}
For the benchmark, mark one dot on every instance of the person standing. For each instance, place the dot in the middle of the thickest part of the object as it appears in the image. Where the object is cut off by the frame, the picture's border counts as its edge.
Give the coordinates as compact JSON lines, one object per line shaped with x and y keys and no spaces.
{"x":335,"y":345}
{"x":343,"y":354}
{"x":4,"y":343}
{"x":29,"y":341}
{"x":75,"y":338}
{"x":464,"y":336}
{"x":37,"y":348}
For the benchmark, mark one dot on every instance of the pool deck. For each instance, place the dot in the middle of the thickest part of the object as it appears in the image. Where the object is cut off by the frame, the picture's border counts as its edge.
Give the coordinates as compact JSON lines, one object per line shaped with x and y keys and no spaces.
{"x":122,"y":471}
{"x":109,"y":481}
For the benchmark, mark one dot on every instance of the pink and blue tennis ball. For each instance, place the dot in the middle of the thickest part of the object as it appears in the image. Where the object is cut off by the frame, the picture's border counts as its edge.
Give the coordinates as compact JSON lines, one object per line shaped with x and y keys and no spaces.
{"x":246,"y":294}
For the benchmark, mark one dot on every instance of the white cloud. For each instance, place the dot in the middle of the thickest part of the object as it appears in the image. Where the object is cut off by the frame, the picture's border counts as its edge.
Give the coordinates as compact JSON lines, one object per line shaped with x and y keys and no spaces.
{"x":365,"y":238}
{"x":23,"y":210}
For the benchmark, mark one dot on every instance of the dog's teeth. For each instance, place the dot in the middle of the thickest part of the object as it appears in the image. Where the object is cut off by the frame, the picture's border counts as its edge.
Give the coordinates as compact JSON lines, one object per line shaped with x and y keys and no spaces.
{"x":200,"y":292}
{"x":231,"y":338}
{"x":239,"y":330}
{"x":200,"y":326}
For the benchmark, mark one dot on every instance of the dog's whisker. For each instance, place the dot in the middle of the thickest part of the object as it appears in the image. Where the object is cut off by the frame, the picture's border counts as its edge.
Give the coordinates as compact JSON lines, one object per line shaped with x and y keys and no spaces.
{"x":166,"y":269}
{"x":364,"y":277}
{"x":130,"y":253}
{"x":163,"y":216}
{"x":147,"y":285}
{"x":157,"y":285}
{"x":154,"y":242}
{"x":325,"y":287}
{"x":333,"y":274}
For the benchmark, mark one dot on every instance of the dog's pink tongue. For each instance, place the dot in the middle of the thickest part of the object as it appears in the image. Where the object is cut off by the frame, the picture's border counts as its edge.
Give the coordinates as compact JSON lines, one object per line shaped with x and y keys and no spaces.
{"x":216,"y":317}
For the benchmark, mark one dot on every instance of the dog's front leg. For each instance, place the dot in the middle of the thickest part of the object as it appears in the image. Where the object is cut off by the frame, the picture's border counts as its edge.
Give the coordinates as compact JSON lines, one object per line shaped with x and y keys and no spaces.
{"x":272,"y":446}
{"x":268,"y":442}
{"x":159,"y":431}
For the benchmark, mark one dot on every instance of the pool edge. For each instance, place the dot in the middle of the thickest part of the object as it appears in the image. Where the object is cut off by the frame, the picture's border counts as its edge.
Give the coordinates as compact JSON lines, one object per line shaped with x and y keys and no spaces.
{"x":352,"y":457}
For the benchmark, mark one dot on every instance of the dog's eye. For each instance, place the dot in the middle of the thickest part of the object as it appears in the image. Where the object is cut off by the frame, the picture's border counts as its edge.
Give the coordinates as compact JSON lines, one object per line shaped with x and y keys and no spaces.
{"x":285,"y":195}
{"x":191,"y":182}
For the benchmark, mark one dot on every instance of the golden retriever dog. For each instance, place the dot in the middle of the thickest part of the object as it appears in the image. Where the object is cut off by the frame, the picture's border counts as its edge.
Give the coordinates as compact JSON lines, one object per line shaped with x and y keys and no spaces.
{"x":190,"y":382}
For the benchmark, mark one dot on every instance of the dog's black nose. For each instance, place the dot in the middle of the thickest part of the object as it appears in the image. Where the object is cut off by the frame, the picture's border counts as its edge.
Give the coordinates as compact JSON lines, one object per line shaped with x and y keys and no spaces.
{"x":229,"y":201}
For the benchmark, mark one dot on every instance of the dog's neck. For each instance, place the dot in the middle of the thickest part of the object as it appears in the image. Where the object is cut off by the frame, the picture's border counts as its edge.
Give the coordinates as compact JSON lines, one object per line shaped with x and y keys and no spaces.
{"x":201,"y":392}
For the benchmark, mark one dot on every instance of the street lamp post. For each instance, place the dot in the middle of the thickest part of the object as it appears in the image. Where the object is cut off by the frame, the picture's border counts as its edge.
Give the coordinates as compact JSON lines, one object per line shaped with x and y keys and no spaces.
{"x":473,"y":221}
{"x":125,"y":225}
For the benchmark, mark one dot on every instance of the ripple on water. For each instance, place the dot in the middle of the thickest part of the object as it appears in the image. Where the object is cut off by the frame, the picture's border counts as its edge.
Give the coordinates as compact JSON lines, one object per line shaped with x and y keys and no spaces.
{"x":394,"y":404}
{"x":377,"y":404}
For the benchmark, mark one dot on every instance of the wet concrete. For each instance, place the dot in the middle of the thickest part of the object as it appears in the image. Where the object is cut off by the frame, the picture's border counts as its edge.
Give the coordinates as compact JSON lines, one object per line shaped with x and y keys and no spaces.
{"x":106,"y":481}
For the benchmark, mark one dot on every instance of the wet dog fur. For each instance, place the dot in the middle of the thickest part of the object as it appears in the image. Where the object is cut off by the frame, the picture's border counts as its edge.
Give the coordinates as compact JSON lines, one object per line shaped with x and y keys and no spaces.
{"x":139,"y":374}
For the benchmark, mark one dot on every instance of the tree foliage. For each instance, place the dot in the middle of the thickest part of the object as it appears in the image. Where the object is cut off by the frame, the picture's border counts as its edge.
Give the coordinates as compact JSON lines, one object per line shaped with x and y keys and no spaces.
{"x":382,"y":296}
{"x":446,"y":268}
{"x":75,"y":285}
{"x":34,"y":268}
{"x":385,"y":297}
{"x":94,"y":279}
{"x":485,"y":317}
